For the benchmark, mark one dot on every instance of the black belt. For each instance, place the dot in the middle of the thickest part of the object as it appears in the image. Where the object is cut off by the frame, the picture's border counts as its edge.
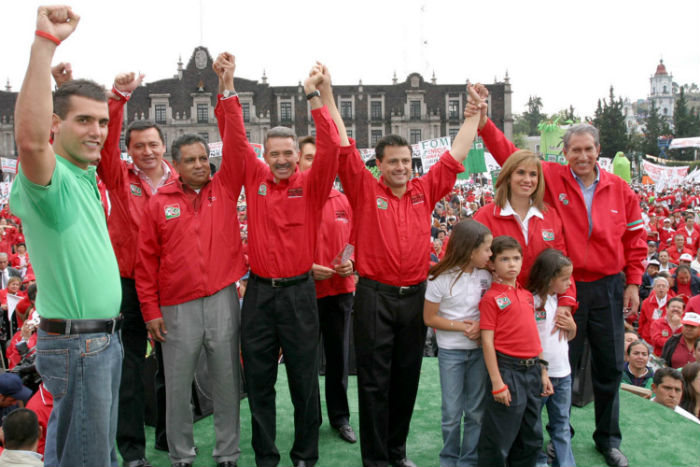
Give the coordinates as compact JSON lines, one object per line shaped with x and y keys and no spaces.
{"x":522,"y":362}
{"x":81,"y":326}
{"x":281,"y":281}
{"x":394,"y":289}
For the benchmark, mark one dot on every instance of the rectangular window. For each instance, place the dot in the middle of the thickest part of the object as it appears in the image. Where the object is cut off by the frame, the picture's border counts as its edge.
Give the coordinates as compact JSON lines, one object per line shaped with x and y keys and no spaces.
{"x":415,"y":136}
{"x":202,"y":113}
{"x":453,"y":133}
{"x":375,"y":136}
{"x":286,"y":111}
{"x":246,"y":111}
{"x":453,"y":110}
{"x":415,"y":110}
{"x":205,"y":136}
{"x":376,"y":110}
{"x":346,"y":110}
{"x":349,"y":131}
{"x":160,"y":113}
{"x":247,"y":135}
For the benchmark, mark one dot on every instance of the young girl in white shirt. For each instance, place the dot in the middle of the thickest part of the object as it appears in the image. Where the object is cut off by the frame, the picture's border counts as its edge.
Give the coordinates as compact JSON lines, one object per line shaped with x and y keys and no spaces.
{"x":551,"y":275}
{"x":455,"y":287}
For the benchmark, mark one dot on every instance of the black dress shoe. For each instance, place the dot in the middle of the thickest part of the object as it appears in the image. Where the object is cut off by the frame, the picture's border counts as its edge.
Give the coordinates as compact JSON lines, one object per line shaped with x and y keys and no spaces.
{"x":614,"y":457}
{"x":138,"y":463}
{"x":161,"y":447}
{"x":405,"y":462}
{"x":347,"y":434}
{"x":226,"y":464}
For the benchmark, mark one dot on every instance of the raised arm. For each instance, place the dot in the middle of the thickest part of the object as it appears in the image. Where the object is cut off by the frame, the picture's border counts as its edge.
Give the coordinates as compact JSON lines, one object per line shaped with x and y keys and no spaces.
{"x":34,"y":108}
{"x":465,"y":136}
{"x":494,"y":139}
{"x":329,"y":101}
{"x":110,"y":166}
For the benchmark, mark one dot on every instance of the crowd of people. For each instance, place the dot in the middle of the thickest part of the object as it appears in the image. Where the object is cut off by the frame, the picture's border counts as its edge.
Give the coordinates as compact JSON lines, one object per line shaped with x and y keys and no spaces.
{"x":264,"y":259}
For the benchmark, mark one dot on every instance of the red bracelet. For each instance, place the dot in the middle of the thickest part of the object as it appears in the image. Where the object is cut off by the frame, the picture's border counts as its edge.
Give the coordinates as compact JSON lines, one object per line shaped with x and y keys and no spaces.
{"x":48,"y":36}
{"x":505,"y":387}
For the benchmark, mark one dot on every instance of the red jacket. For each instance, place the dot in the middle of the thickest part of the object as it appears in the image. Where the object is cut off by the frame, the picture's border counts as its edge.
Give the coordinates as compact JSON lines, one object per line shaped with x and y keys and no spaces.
{"x":674,"y":255}
{"x":617,"y":219}
{"x":189,"y":243}
{"x":650,"y":307}
{"x":128,"y":193}
{"x":13,"y":355}
{"x":284,"y":217}
{"x":392,"y":235}
{"x":541,"y":233}
{"x":660,"y":332}
{"x":41,"y":404}
{"x":336,"y":225}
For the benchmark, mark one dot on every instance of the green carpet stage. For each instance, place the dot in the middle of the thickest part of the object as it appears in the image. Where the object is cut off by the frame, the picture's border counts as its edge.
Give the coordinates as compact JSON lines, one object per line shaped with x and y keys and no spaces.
{"x":652,"y":435}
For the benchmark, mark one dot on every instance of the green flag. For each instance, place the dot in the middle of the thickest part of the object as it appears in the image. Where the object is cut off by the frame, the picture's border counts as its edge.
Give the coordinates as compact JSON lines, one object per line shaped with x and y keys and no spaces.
{"x":475,"y":162}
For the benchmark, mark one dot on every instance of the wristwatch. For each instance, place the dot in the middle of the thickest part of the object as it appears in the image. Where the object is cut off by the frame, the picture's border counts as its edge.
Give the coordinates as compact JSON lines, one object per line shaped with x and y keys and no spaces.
{"x":229,"y":93}
{"x":313,"y":94}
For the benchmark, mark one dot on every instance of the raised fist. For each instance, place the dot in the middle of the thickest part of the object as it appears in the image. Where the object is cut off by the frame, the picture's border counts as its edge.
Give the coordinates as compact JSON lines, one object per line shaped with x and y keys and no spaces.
{"x":314,"y":80}
{"x":57,"y":20}
{"x":62,"y":73}
{"x":128,"y":82}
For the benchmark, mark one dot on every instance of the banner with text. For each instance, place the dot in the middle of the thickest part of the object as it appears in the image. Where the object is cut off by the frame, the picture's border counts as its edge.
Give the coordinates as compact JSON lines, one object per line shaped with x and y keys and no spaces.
{"x":661,"y":173}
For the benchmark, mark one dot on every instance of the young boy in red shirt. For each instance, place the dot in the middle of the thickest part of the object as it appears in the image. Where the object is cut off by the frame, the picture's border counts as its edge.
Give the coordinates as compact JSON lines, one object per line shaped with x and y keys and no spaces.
{"x":511,"y":431}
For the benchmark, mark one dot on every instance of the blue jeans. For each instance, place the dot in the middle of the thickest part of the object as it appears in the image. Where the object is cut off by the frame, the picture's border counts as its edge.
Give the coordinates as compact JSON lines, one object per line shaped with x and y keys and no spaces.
{"x":82,"y":372}
{"x":463,"y":382}
{"x":558,"y":406}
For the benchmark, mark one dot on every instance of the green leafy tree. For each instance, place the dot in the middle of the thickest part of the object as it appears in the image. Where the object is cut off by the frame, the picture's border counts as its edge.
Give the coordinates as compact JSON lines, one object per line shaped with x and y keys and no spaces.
{"x":533,"y":116}
{"x":610,"y":121}
{"x":566,"y":115}
{"x":654,"y":127}
{"x":682,"y":118}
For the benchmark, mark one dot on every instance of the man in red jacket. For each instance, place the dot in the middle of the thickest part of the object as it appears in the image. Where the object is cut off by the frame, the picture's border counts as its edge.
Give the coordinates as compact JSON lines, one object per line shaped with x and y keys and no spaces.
{"x":334,"y":296}
{"x":279,"y":310}
{"x":190,"y":305}
{"x":594,"y":233}
{"x":131,"y":185}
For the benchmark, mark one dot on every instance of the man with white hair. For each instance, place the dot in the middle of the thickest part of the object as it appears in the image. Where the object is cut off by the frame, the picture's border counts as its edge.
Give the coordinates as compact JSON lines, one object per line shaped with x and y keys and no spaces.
{"x":654,"y":307}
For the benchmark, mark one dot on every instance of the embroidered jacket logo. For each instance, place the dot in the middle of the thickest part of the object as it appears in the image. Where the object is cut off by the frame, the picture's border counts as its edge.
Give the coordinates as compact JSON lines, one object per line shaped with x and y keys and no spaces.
{"x":135,"y":190}
{"x":548,"y":235}
{"x":564,"y":200}
{"x":382,"y":203}
{"x":262,"y":190}
{"x":172,"y":211}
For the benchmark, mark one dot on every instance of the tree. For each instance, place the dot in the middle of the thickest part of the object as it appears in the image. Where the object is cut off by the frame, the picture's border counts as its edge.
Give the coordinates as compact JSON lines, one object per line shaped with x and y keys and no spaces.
{"x":610,"y":121}
{"x":682,"y":118}
{"x":566,"y":115}
{"x":655,"y":126}
{"x":533,"y":116}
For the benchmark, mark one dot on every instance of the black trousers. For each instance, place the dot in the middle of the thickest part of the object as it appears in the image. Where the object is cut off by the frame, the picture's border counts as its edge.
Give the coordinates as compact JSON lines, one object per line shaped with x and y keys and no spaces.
{"x":599,"y":318}
{"x":131,"y":437}
{"x":389,"y":339}
{"x":334,"y":315}
{"x":512,"y":435}
{"x":283,"y":317}
{"x":161,"y":441}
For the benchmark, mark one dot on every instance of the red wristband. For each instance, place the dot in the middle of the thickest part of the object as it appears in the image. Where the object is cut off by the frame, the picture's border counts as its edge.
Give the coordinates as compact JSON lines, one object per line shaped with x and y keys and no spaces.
{"x":48,"y":36}
{"x":505,"y":386}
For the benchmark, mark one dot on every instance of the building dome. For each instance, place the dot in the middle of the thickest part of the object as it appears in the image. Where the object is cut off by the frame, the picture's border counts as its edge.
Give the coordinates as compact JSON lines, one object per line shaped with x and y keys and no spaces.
{"x":661,"y":69}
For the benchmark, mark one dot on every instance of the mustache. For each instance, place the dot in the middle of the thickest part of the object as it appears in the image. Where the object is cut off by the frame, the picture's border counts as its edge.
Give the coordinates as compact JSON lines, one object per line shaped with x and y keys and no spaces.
{"x":283,"y":166}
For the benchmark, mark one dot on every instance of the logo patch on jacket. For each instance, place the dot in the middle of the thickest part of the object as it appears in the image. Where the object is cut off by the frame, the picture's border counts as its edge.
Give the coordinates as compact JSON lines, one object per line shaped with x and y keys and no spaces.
{"x":664,"y":333}
{"x":502,"y":301}
{"x":382,"y":203}
{"x":564,"y":200}
{"x":295,"y":192}
{"x":341,"y":216}
{"x":135,"y":190}
{"x":548,"y":235}
{"x":540,"y":314}
{"x":262,"y":190}
{"x":172,"y":211}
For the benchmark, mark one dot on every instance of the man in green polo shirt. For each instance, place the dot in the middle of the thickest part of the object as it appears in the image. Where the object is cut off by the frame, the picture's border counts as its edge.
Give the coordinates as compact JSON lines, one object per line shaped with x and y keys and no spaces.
{"x":55,"y":195}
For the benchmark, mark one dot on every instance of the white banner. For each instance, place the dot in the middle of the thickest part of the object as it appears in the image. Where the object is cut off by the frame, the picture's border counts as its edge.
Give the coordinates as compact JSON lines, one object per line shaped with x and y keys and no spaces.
{"x":430,"y":151}
{"x":9,"y":165}
{"x":605,"y":164}
{"x":678,"y":143}
{"x":664,"y":175}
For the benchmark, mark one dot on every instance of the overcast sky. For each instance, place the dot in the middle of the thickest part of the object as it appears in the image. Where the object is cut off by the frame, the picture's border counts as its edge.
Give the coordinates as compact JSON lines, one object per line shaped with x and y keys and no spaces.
{"x":568,"y":53}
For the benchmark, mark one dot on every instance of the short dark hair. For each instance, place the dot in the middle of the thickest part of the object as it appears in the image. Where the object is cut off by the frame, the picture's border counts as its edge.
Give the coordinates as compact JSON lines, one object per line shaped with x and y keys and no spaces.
{"x":390,"y":140}
{"x":142,"y":125}
{"x":21,"y":428}
{"x":661,"y":373}
{"x":637,"y":342}
{"x":675,"y":299}
{"x":76,"y":87}
{"x":307,"y":140}
{"x":31,"y":292}
{"x":503,"y":243}
{"x":186,"y":140}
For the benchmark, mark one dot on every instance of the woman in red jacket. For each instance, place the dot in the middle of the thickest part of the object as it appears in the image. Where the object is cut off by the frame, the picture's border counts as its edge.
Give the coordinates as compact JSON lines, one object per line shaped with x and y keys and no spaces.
{"x":518,"y":210}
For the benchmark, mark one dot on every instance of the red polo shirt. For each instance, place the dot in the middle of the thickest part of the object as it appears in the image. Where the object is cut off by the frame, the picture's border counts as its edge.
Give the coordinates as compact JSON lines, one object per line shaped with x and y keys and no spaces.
{"x":284,"y":217}
{"x":392,"y":235}
{"x":336,"y":225}
{"x":510,"y":313}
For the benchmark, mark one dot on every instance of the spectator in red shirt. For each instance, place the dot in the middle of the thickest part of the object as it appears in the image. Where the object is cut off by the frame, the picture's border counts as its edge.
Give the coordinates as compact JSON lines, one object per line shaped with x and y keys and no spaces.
{"x":653,"y":308}
{"x":690,"y":233}
{"x":685,"y":282}
{"x":41,"y":404}
{"x":680,"y":348}
{"x":678,"y":248}
{"x":662,"y":329}
{"x":334,"y":296}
